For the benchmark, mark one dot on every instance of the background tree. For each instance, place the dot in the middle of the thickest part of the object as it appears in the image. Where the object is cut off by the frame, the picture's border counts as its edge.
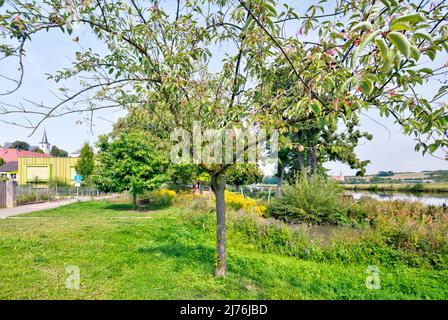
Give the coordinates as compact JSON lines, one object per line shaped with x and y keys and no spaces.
{"x":56,"y":152}
{"x":314,"y":144}
{"x":38,"y":150}
{"x":132,"y":162}
{"x":243,"y":174}
{"x":385,"y":173}
{"x":344,"y":57}
{"x":20,"y":145}
{"x":183,"y":174}
{"x":86,"y":162}
{"x":2,"y":162}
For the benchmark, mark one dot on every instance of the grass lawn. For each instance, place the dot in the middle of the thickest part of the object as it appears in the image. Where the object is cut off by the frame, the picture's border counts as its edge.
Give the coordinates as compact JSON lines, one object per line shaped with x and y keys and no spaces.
{"x":124,"y":254}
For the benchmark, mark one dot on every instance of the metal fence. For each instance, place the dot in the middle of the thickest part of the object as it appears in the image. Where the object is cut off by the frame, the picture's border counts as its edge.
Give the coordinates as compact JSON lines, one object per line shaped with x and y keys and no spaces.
{"x":30,"y":194}
{"x":254,"y":191}
{"x":258,"y":192}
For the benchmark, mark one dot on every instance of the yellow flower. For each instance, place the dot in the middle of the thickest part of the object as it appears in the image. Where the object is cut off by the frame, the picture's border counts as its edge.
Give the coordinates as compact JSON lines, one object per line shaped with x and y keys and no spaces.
{"x":237,"y":201}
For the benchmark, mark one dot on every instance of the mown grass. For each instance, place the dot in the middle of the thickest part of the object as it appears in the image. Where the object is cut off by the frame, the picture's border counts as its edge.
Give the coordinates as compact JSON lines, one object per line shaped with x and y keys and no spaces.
{"x":169,"y":254}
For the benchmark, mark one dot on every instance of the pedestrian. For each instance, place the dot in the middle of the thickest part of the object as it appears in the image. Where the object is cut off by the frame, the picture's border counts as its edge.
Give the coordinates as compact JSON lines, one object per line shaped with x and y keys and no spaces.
{"x":195,"y":186}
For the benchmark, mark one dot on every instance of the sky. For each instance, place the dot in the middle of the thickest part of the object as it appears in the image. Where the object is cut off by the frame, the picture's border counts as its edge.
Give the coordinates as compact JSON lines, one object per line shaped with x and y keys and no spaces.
{"x":49,"y":52}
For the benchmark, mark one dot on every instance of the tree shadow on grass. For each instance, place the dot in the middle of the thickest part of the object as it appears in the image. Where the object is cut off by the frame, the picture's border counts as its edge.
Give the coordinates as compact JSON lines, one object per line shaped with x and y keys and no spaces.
{"x":199,"y":256}
{"x":119,"y":207}
{"x":129,"y":207}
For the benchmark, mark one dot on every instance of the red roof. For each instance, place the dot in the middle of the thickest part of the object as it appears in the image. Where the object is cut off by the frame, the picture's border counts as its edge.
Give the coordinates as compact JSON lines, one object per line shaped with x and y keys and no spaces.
{"x":9,"y":155}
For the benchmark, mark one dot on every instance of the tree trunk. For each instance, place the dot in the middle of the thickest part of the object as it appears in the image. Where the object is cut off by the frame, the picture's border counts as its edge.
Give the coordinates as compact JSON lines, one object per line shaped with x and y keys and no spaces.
{"x":312,"y":160}
{"x":278,"y":192}
{"x":134,"y":201}
{"x":218,"y":187}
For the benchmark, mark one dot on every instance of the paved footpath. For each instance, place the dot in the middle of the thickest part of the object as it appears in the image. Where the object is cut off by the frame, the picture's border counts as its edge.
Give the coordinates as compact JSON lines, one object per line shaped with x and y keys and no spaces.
{"x":4,"y":213}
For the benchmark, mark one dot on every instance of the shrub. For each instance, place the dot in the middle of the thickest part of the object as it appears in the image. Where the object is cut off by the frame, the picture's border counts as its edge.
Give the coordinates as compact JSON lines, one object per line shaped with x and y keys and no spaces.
{"x":32,"y":197}
{"x":314,"y":200}
{"x":198,"y":203}
{"x":237,"y":201}
{"x":418,"y":187}
{"x":163,"y":197}
{"x":160,"y":198}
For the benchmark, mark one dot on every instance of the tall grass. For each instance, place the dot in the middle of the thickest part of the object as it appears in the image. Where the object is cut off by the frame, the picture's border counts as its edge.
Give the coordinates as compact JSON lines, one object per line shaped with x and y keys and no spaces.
{"x":394,"y":234}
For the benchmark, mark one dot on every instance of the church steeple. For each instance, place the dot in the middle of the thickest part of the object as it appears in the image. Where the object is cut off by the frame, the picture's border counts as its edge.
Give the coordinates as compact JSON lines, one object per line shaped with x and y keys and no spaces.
{"x":44,"y":145}
{"x":44,"y":138}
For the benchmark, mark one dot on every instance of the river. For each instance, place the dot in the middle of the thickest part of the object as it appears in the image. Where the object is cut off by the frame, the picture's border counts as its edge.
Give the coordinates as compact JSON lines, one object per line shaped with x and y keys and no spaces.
{"x":433,"y":199}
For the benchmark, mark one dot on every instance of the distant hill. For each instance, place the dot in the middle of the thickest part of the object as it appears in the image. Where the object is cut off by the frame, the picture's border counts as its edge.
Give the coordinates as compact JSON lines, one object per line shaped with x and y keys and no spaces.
{"x":436,"y":176}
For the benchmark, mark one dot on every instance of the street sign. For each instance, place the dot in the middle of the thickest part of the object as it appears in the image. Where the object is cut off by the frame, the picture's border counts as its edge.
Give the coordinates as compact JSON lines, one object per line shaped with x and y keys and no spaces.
{"x":77,"y":178}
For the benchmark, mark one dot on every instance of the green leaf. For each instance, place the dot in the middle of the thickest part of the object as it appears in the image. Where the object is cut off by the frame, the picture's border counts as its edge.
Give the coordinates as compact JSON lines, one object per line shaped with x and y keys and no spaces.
{"x":442,"y":91}
{"x":400,"y":42}
{"x":433,"y":147}
{"x":271,"y":24}
{"x":347,"y":84}
{"x":271,"y":8}
{"x":401,"y":26}
{"x":367,"y":39}
{"x":361,"y":46}
{"x":316,"y":106}
{"x":384,"y":50}
{"x":415,"y":53}
{"x":69,"y":28}
{"x":424,"y":35}
{"x":431,"y":54}
{"x":364,"y":25}
{"x":445,"y":46}
{"x":412,"y":18}
{"x":426,"y":70}
{"x":386,"y":3}
{"x":366,"y":86}
{"x":372,"y":77}
{"x":249,"y":23}
{"x":2,"y":2}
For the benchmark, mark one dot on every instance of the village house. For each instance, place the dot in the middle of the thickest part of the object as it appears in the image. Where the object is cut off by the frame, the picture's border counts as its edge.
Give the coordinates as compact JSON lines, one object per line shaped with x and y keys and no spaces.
{"x":27,"y":167}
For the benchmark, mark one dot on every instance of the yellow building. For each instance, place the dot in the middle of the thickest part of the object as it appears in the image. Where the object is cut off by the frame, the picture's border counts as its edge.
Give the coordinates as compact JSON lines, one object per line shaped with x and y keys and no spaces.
{"x":42,"y":170}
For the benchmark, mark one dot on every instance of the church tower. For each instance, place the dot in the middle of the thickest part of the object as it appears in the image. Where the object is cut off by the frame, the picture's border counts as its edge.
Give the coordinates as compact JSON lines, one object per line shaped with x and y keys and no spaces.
{"x":44,"y":145}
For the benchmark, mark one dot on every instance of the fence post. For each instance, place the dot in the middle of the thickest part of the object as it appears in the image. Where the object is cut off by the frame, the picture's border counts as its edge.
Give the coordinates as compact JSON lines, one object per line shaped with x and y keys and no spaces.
{"x":11,"y":194}
{"x":269,"y":195}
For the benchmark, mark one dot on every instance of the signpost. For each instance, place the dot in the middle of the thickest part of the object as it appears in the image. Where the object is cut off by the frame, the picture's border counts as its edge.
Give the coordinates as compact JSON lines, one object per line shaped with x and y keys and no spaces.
{"x":78,"y":180}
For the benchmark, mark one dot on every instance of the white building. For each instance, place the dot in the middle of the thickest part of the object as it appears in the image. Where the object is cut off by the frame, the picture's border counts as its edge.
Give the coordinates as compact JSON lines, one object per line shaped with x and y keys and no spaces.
{"x":75,"y":154}
{"x":339,"y":178}
{"x":44,"y":145}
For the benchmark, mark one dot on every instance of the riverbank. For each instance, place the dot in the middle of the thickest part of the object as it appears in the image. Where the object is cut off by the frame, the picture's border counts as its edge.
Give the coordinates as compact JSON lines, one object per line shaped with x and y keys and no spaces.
{"x":169,"y":253}
{"x":404,"y":187}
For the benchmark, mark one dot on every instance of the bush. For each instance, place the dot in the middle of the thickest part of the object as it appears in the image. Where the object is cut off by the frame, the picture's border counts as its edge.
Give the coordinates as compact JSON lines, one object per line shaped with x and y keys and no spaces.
{"x":314,"y":200}
{"x":159,"y":198}
{"x":32,"y":198}
{"x":197,"y":203}
{"x":418,"y":187}
{"x":237,"y":202}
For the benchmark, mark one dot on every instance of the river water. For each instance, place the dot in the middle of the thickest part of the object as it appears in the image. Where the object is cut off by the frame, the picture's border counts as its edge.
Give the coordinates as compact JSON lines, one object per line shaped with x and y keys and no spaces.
{"x":433,"y":199}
